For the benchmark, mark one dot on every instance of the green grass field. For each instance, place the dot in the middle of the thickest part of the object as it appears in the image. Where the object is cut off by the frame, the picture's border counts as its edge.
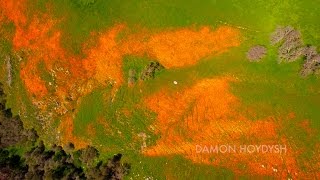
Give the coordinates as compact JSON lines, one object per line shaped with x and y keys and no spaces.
{"x":269,"y":87}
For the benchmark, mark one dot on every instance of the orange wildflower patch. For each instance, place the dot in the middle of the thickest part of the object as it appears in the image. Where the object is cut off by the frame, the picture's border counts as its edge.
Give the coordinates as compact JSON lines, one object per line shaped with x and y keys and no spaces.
{"x":43,"y":42}
{"x":66,"y":130}
{"x":41,"y":39}
{"x":35,"y":38}
{"x":14,"y":10}
{"x":206,"y":115}
{"x":182,"y":47}
{"x":107,"y":58}
{"x":75,"y":77}
{"x":91,"y":130}
{"x":34,"y":84}
{"x":185,"y":47}
{"x":3,"y":19}
{"x":103,"y":62}
{"x":305,"y":125}
{"x":104,"y":123}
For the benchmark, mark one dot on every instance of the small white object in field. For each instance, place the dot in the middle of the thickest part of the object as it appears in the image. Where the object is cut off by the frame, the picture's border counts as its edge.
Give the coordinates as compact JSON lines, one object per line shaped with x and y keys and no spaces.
{"x":175,"y":82}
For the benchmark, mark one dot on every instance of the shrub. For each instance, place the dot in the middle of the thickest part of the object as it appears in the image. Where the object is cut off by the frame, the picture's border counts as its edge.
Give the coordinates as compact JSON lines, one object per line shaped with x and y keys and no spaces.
{"x":256,"y":53}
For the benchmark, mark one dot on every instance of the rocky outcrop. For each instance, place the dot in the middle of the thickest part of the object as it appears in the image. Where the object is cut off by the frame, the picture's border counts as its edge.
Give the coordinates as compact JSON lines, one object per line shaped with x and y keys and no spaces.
{"x":150,"y":70}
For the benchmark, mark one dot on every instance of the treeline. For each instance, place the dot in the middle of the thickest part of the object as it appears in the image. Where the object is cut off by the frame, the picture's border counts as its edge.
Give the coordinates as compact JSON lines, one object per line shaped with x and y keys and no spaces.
{"x":40,"y":162}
